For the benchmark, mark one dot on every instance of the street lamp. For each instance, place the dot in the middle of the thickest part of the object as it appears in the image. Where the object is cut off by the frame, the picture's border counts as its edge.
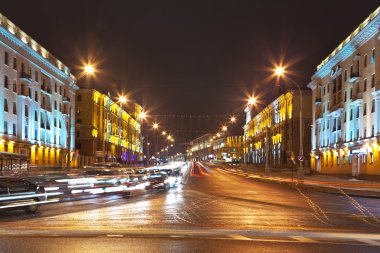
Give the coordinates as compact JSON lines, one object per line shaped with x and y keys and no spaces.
{"x":233,"y":119}
{"x":224,"y":128}
{"x":251,"y":101}
{"x":280,"y":71}
{"x":87,"y":70}
{"x":122,"y":100}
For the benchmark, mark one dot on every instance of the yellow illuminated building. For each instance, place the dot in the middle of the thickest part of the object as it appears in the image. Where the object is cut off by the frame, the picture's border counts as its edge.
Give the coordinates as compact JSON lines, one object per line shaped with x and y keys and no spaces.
{"x":275,"y":131}
{"x":106,"y":132}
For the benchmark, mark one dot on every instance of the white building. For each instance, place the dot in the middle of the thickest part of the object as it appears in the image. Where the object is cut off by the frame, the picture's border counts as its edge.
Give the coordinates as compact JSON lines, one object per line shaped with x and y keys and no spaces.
{"x":37,"y":98}
{"x":346,"y":104}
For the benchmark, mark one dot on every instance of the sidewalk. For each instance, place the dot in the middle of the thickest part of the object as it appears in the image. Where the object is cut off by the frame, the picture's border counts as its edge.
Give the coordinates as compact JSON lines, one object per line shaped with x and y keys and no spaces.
{"x":317,"y":182}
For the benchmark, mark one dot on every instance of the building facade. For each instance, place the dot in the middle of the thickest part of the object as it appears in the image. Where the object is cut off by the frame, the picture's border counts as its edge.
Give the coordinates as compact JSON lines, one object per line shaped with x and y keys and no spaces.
{"x":200,"y":148}
{"x":275,"y":131}
{"x":228,"y":148}
{"x":346,"y":105}
{"x":105,"y":132}
{"x":37,"y":100}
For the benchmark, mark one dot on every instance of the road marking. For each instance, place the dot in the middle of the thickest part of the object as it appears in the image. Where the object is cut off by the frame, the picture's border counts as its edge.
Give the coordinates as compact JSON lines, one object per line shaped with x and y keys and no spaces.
{"x":369,"y":241}
{"x":303,"y":239}
{"x":240,"y":237}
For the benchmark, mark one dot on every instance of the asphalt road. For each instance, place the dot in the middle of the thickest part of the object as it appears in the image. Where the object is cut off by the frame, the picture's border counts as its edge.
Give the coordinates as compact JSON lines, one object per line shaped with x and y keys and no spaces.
{"x":212,"y":211}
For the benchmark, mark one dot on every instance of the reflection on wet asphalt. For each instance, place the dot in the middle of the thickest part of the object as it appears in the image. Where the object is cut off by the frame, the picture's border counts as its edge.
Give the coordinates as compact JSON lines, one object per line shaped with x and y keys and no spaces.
{"x":209,"y":198}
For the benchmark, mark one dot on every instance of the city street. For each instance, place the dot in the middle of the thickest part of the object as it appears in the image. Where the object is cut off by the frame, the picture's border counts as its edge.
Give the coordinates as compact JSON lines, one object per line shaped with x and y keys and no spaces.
{"x":212,"y":210}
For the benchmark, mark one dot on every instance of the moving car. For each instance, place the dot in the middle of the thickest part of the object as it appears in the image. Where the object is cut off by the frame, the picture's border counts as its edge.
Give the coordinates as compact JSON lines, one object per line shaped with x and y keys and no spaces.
{"x":107,"y":176}
{"x":158,"y":181}
{"x":16,"y":193}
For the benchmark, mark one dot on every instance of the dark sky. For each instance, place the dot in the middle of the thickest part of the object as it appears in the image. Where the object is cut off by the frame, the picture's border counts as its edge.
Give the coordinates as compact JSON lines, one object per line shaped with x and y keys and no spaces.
{"x":189,"y":57}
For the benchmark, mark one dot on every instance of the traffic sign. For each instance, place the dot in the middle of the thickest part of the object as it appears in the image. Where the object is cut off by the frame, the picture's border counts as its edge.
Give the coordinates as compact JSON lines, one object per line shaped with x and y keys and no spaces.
{"x":301,"y":158}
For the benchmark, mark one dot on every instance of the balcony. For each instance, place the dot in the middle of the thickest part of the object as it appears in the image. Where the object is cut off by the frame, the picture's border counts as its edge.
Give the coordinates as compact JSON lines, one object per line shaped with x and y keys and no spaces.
{"x":45,"y":89}
{"x":357,"y":98}
{"x":318,"y":100}
{"x":25,"y":77}
{"x":354,"y":77}
{"x":66,"y":100}
{"x":335,"y":107}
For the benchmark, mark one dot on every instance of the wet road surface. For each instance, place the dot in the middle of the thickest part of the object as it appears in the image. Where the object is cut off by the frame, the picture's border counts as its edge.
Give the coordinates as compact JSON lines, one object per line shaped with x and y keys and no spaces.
{"x":211,"y":205}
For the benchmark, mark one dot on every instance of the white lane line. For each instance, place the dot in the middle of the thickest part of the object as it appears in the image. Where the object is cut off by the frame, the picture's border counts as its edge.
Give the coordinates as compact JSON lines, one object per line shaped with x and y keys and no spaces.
{"x":369,"y":241}
{"x":240,"y":237}
{"x":303,"y":239}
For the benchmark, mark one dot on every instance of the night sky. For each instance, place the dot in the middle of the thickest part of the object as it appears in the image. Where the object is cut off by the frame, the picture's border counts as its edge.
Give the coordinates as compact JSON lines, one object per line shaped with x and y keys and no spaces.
{"x":189,"y":62}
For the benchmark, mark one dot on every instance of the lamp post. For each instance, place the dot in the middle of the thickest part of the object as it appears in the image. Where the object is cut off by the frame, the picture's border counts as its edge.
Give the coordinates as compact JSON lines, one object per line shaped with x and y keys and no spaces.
{"x":280,"y":71}
{"x":87,"y":70}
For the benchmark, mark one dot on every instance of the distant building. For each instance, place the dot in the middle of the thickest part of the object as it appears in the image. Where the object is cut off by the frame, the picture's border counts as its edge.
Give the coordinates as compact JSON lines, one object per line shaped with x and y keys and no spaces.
{"x":275,"y":131}
{"x":228,"y":148}
{"x":210,"y":147}
{"x":37,"y":101}
{"x":346,"y":104}
{"x":200,"y":148}
{"x":105,"y":132}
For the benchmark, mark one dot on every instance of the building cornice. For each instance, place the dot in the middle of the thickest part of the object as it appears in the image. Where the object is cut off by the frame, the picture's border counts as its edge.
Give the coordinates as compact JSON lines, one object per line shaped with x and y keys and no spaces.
{"x":22,"y":47}
{"x":366,"y":30}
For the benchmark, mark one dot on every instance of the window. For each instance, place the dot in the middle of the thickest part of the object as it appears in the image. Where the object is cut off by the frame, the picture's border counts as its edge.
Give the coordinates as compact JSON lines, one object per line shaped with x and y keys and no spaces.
{"x":36,"y":77}
{"x":371,"y":157}
{"x":373,"y":81}
{"x":357,"y":87}
{"x":30,"y":92}
{"x":6,"y":58}
{"x":26,"y":134}
{"x":365,"y":85}
{"x":14,"y":130}
{"x":345,"y":75}
{"x":345,"y":96}
{"x":5,"y":105}
{"x":364,"y":159}
{"x":78,"y":134}
{"x":14,"y":86}
{"x":373,"y":106}
{"x":26,"y":111}
{"x":55,"y":87}
{"x":35,"y":115}
{"x":6,"y":82}
{"x":55,"y":105}
{"x":60,"y":90}
{"x":36,"y":96}
{"x":79,"y":121}
{"x":14,"y":108}
{"x":351,"y":93}
{"x":373,"y":131}
{"x":55,"y":122}
{"x":365,"y":61}
{"x":364,"y":109}
{"x":351,"y":114}
{"x":328,"y":88}
{"x":14,"y":63}
{"x":345,"y":116}
{"x":365,"y":132}
{"x":338,"y":160}
{"x":5,"y":127}
{"x":79,"y":97}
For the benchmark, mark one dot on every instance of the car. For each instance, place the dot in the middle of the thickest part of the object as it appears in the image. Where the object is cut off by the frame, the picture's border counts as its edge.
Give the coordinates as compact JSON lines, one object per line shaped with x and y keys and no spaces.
{"x":18,"y":193}
{"x":107,"y":176}
{"x":158,"y":181}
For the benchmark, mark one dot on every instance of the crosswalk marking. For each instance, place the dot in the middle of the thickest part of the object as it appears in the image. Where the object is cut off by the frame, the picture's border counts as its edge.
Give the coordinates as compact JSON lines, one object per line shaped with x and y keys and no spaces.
{"x":369,"y":241}
{"x":241,"y":237}
{"x":302,"y":239}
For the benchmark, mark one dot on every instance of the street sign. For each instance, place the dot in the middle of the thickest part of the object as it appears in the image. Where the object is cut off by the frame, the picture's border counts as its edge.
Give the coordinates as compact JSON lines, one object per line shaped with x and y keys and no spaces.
{"x":301,"y":158}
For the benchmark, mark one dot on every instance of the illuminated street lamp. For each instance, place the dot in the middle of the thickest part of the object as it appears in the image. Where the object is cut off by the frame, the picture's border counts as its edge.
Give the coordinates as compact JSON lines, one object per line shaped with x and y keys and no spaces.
{"x":218,"y":134}
{"x":163,"y":133}
{"x":251,"y":101}
{"x":122,"y":99}
{"x":233,"y":119}
{"x":224,"y":128}
{"x":89,"y":69}
{"x":280,"y":71}
{"x":142,"y":115}
{"x":155,"y":125}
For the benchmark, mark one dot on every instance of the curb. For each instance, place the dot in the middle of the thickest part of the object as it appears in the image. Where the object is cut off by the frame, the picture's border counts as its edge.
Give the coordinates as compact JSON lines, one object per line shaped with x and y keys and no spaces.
{"x":332,"y":190}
